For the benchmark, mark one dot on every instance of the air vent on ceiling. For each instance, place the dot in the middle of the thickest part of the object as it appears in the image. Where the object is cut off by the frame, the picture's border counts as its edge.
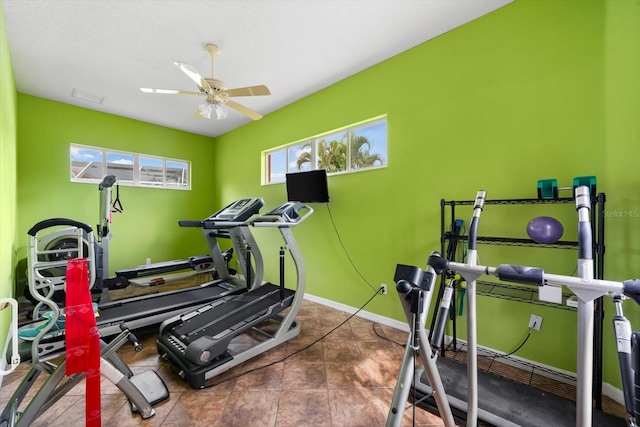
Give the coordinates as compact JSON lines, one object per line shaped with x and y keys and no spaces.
{"x":97,"y":99}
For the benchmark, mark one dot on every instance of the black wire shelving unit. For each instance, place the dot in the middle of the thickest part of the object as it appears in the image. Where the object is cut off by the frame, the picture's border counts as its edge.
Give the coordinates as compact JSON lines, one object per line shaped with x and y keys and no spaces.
{"x":530,"y":294}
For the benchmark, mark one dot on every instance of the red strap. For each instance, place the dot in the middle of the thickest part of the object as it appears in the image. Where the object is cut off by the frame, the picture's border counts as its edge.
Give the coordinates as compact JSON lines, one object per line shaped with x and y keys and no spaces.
{"x":82,"y":339}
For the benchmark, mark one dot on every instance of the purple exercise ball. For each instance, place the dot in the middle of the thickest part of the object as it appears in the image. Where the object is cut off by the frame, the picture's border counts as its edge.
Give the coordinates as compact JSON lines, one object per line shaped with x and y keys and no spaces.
{"x":544,"y":229}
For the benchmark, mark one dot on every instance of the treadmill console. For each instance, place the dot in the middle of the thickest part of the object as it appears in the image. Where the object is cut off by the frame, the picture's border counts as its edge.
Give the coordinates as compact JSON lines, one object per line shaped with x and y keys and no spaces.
{"x":238,"y":211}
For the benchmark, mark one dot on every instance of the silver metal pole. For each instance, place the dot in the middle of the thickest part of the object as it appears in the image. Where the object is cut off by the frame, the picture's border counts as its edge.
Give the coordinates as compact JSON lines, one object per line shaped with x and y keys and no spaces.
{"x":472,"y":333}
{"x":585,"y":312}
{"x":472,"y":347}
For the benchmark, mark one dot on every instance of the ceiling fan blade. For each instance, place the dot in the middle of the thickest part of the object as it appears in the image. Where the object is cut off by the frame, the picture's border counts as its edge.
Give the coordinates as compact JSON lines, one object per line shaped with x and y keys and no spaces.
{"x":249,"y":91}
{"x":244,"y":110}
{"x":169,"y":91}
{"x":194,"y":75}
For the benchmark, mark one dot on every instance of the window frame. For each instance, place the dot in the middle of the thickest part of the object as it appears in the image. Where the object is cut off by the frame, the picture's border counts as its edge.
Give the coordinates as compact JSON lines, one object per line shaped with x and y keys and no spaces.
{"x":136,"y":165}
{"x":267,"y":155}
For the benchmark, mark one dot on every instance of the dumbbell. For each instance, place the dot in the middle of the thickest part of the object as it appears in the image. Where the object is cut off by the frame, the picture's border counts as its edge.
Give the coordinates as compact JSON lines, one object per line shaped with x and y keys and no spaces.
{"x":549,"y":189}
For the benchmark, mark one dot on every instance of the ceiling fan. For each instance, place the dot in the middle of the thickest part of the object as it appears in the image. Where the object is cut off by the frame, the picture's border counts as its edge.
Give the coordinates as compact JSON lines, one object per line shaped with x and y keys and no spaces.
{"x":216,"y":92}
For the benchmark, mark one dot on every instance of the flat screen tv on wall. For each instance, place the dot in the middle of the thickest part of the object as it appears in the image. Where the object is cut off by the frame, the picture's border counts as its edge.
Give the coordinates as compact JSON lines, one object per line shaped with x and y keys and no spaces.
{"x":308,"y":187}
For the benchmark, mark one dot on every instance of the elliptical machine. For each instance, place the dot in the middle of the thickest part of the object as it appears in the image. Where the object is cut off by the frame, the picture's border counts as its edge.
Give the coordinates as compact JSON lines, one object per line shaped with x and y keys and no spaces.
{"x":518,"y":408}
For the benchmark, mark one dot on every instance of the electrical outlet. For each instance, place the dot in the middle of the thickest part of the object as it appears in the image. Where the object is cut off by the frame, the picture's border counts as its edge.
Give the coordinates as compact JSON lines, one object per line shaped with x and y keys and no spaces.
{"x":383,"y":288}
{"x":535,"y":322}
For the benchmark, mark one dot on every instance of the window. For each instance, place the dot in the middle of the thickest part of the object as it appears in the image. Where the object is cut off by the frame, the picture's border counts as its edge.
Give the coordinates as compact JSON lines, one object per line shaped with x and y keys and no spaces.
{"x":120,"y":165}
{"x":151,"y":171}
{"x":276,"y":165}
{"x":332,"y":152}
{"x":358,"y":147}
{"x":301,"y":157}
{"x":92,"y":164}
{"x":86,"y":163}
{"x":368,"y":146}
{"x":176,"y":174}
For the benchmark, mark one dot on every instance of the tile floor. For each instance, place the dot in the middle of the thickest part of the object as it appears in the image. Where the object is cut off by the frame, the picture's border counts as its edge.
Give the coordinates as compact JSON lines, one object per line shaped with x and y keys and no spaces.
{"x":347,"y":379}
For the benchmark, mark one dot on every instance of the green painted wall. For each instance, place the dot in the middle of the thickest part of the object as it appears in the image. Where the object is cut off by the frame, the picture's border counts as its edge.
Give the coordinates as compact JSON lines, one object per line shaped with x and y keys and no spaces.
{"x":521,"y":94}
{"x":148,"y":227}
{"x":622,"y":149}
{"x":7,"y":176}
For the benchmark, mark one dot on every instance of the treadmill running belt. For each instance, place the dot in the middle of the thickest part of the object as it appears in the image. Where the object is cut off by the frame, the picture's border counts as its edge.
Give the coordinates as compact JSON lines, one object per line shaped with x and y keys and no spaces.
{"x":128,"y":310}
{"x":153,"y":269}
{"x":513,"y":401}
{"x":230,"y":313}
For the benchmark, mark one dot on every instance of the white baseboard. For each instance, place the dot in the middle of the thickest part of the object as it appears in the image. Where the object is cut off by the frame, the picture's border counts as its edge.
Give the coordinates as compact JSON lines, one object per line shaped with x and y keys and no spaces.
{"x":558,"y":374}
{"x":364,"y":314}
{"x":613,"y":393}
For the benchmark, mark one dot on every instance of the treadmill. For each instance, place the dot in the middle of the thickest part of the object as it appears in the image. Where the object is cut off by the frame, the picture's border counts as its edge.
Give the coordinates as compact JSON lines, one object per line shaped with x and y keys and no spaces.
{"x":153,"y":309}
{"x":197,"y":263}
{"x":200,"y":343}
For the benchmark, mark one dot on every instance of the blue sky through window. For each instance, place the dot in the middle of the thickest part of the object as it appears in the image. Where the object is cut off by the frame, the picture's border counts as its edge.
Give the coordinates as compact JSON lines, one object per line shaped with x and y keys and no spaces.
{"x":85,"y":155}
{"x":176,"y":165}
{"x":377,"y":136}
{"x":120,"y":159}
{"x":150,"y":162}
{"x":297,"y":151}
{"x":278,"y":166}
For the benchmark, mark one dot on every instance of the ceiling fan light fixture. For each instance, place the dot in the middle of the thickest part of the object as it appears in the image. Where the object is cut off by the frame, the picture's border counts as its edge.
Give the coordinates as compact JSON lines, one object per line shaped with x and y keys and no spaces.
{"x":205,"y":109}
{"x":221,"y":112}
{"x":217,"y":93}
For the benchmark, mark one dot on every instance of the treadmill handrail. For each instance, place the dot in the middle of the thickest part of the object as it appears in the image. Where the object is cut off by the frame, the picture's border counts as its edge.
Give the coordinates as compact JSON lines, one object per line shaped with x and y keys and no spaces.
{"x":279,"y":221}
{"x":211,"y":224}
{"x":162,"y":267}
{"x":218,"y":224}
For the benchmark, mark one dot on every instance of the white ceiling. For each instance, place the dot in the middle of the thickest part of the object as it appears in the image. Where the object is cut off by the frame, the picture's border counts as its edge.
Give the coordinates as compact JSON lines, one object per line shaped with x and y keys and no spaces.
{"x":296,"y":47}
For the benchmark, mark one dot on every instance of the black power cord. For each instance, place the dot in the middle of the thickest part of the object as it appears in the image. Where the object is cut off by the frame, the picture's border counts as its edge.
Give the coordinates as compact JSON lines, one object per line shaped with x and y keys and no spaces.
{"x":519,"y":347}
{"x":345,"y":250}
{"x":385,"y":338}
